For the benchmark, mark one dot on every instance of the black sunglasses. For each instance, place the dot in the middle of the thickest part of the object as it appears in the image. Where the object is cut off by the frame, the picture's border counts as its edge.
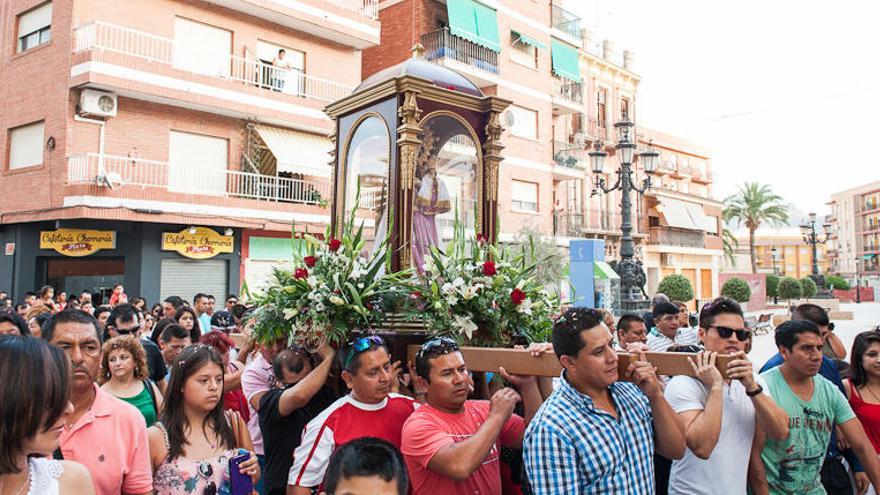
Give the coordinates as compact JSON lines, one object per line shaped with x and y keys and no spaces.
{"x":725,"y":332}
{"x":438,"y":345}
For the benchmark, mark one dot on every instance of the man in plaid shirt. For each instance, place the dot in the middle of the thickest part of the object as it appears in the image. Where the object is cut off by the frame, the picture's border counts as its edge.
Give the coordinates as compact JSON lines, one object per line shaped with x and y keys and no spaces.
{"x":595,"y":434}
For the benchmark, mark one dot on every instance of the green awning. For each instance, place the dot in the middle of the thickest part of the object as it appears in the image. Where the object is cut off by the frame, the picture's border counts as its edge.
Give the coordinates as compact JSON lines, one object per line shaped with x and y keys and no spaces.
{"x":525,"y":40}
{"x":604,"y":271}
{"x":565,"y":61}
{"x":474,"y":22}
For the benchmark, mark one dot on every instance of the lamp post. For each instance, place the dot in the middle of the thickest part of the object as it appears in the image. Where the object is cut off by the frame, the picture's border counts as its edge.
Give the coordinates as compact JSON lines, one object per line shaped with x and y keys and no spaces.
{"x":631,"y":299}
{"x":774,"y":258}
{"x":811,"y":237}
{"x":858,"y":283}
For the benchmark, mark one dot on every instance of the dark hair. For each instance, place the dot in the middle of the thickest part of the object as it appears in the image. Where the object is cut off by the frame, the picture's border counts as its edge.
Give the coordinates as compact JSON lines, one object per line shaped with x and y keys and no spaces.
{"x":239,"y":310}
{"x":218,"y":340}
{"x":222,"y":319}
{"x":718,"y":306}
{"x":211,"y":296}
{"x":861,"y":344}
{"x":811,"y":312}
{"x":623,"y":324}
{"x":172,"y":330}
{"x":29,"y":294}
{"x":69,"y":316}
{"x":230,"y":296}
{"x":20,"y":306}
{"x":122,"y":313}
{"x":432,"y":349}
{"x":175,"y":301}
{"x":787,"y":333}
{"x":366,"y":457}
{"x":45,"y":290}
{"x":665,"y":308}
{"x":196,"y":331}
{"x":198,"y":296}
{"x":282,"y":51}
{"x":187,"y":363}
{"x":353,"y":364}
{"x":35,"y":393}
{"x":566,"y":335}
{"x":101,"y":310}
{"x":16,"y":320}
{"x":291,"y":359}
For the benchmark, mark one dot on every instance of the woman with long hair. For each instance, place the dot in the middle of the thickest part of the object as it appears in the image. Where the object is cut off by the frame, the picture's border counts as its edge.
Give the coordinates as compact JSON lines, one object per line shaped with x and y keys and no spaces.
{"x":124,"y":375}
{"x":233,"y":397}
{"x":192,"y":443}
{"x":186,"y":317}
{"x":34,"y":407}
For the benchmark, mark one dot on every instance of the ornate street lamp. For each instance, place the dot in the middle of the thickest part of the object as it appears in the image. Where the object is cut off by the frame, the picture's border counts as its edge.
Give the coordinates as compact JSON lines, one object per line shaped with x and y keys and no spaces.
{"x":858,"y":283}
{"x":812,"y":237}
{"x":631,"y":299}
{"x":774,"y":258}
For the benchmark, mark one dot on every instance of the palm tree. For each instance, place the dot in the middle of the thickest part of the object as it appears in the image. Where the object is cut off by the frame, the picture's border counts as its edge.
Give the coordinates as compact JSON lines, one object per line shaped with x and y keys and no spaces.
{"x":752,"y":205}
{"x":730,"y":243}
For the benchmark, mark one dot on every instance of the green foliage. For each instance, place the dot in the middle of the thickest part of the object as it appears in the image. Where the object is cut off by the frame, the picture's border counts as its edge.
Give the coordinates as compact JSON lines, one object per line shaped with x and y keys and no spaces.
{"x":837,"y":282}
{"x":772,"y":286}
{"x":677,"y":287}
{"x":550,"y":264}
{"x":729,"y":243}
{"x":753,"y":205}
{"x":737,"y":289}
{"x":790,"y":288}
{"x":808,"y":287}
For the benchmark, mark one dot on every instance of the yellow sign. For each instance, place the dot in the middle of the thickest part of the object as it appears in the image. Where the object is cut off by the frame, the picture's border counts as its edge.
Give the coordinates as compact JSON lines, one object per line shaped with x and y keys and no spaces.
{"x":75,"y":242}
{"x":198,"y":243}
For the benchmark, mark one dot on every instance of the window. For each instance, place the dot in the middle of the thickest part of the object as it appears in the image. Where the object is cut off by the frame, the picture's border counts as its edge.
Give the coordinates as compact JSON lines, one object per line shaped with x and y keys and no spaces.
{"x":524,"y":196}
{"x":288,"y":75}
{"x":197,"y":163}
{"x":26,"y":146}
{"x":523,"y":53}
{"x":201,"y":48}
{"x":525,"y":122}
{"x":34,"y":27}
{"x":624,"y":109}
{"x":601,"y":100}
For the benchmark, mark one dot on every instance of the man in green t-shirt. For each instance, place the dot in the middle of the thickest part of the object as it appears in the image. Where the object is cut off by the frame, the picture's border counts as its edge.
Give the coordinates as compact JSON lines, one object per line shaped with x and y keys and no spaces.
{"x":814,"y":407}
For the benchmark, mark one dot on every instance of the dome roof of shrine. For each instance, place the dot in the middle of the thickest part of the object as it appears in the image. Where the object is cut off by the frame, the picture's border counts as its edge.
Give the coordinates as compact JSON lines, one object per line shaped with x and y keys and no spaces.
{"x":419,"y":67}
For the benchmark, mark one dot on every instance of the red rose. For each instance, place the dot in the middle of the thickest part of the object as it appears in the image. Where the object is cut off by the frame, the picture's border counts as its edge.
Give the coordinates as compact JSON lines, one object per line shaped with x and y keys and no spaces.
{"x":310,"y":261}
{"x":301,"y":273}
{"x":489,"y":268}
{"x":334,"y":244}
{"x":517,"y":296}
{"x":416,"y":295}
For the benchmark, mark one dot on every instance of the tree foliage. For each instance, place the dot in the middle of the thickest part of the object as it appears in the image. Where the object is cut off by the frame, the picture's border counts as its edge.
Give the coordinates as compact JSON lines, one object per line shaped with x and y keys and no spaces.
{"x":837,"y":282}
{"x":790,"y":288}
{"x":536,"y":249}
{"x":753,"y":205}
{"x":737,"y":289}
{"x":808,"y":287}
{"x":772,"y":285}
{"x":677,"y":287}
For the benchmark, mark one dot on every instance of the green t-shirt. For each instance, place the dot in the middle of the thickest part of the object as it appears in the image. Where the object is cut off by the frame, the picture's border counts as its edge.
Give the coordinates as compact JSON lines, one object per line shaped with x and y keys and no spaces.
{"x":793,"y":465}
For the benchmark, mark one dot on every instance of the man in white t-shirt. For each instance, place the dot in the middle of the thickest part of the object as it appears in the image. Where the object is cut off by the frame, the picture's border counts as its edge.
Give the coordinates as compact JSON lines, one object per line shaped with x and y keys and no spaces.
{"x":720,"y":413}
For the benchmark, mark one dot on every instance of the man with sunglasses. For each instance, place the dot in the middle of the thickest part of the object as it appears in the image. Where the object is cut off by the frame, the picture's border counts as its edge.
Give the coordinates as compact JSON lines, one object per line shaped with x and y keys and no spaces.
{"x":452,"y":445}
{"x":667,"y":331}
{"x":370,"y":410}
{"x":720,"y":413}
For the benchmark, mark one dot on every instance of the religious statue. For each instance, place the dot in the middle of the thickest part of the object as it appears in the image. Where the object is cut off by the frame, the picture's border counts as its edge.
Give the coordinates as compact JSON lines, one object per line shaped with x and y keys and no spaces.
{"x":432,"y":199}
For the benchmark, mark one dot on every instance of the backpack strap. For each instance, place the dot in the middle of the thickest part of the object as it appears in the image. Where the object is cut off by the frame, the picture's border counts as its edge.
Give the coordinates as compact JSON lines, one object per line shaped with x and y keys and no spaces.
{"x":149,"y":385}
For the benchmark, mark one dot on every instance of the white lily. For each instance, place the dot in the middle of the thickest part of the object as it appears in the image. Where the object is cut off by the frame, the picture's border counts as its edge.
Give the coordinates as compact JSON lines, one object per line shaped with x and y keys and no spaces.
{"x":312,"y":281}
{"x":337,"y":300}
{"x":465,"y":325}
{"x":290,"y":313}
{"x":525,"y":307}
{"x":447,"y":288}
{"x":458,"y":282}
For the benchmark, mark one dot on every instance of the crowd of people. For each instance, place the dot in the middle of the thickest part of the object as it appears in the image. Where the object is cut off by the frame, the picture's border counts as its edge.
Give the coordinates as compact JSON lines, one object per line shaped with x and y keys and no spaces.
{"x":121,"y":398}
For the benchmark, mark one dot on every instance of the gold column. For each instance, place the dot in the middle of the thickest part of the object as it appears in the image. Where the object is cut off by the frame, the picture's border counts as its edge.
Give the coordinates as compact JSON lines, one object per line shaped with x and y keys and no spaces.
{"x":492,"y":159}
{"x":408,"y":142}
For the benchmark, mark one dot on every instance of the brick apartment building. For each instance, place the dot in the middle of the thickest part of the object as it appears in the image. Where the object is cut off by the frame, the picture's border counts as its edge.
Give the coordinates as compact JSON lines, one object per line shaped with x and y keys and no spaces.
{"x":855,"y":233}
{"x":164,"y":144}
{"x":794,"y":256}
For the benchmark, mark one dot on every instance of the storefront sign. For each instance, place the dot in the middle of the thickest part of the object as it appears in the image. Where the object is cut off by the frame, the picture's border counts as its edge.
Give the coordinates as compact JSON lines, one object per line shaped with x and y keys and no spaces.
{"x":75,"y":242}
{"x":198,"y":243}
{"x":10,"y":248}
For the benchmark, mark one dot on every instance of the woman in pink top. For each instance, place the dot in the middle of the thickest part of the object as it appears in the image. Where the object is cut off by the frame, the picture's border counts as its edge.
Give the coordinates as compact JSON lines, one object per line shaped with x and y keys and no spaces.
{"x":863,"y":389}
{"x":191,"y":445}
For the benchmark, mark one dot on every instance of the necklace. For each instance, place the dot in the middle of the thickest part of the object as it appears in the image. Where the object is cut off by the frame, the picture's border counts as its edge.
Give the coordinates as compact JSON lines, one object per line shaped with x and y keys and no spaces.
{"x":868,"y":388}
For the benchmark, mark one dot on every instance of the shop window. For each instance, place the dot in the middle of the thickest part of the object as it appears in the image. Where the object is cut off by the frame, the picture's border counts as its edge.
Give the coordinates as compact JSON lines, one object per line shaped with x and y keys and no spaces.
{"x":35,"y":27}
{"x":26,"y":146}
{"x":524,"y":196}
{"x":525,"y":122}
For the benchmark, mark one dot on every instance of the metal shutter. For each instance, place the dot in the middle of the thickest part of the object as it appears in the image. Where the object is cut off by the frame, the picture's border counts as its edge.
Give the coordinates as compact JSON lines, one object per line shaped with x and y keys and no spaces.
{"x":186,"y":278}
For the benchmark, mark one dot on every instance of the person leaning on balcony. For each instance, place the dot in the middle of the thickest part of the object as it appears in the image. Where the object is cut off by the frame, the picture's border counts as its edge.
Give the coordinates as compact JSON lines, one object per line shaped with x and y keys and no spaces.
{"x":282,"y":65}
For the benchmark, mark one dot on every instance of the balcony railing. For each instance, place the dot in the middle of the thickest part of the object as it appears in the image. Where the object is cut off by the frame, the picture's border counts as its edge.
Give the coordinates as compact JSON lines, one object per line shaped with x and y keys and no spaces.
{"x":123,"y":171}
{"x":671,"y":237}
{"x":566,"y":21}
{"x":576,"y":223}
{"x":195,"y":59}
{"x":590,"y":126}
{"x":369,"y":8}
{"x":442,"y":44}
{"x":568,"y":90}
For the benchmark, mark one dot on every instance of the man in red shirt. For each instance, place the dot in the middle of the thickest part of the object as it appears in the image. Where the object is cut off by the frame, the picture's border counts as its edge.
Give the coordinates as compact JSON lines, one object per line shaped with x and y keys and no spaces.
{"x":370,"y":410}
{"x":452,"y":445}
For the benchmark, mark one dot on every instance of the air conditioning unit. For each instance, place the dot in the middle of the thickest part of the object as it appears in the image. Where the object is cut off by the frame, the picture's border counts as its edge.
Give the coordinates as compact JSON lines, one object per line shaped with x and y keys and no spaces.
{"x":94,"y":103}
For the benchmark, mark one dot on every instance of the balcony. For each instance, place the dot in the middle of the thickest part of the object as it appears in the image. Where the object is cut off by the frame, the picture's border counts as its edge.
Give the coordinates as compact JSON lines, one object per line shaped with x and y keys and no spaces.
{"x":591,"y":127}
{"x":701,"y":176}
{"x":676,"y":237}
{"x":353,"y":23}
{"x":567,"y":96}
{"x":144,"y":66}
{"x":565,"y":21}
{"x":131,"y":176}
{"x":666,"y":167}
{"x":571,"y":223}
{"x":682,"y":172}
{"x":475,"y":61}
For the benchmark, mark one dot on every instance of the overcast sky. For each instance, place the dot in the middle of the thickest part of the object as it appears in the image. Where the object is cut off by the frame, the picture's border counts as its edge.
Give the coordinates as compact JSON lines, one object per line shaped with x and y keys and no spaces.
{"x":782,"y":92}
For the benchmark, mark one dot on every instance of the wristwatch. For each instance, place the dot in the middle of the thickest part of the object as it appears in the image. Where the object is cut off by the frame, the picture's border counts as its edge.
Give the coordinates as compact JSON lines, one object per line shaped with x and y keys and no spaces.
{"x":756,"y":391}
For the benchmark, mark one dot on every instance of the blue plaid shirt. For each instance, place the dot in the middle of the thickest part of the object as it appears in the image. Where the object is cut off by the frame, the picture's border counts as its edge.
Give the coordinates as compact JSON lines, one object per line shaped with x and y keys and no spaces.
{"x":572,"y":447}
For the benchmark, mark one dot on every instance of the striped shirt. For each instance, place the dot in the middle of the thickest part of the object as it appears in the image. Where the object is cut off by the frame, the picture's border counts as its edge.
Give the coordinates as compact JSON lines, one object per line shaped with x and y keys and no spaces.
{"x":573,"y":447}
{"x":658,"y":342}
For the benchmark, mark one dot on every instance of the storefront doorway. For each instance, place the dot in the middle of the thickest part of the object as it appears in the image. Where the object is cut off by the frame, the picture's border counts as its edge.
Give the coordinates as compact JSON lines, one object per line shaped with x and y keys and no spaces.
{"x":97,"y":275}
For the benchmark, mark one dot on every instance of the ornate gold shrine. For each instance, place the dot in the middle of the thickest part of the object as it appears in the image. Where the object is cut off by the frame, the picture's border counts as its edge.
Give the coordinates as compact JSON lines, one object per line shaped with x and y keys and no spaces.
{"x":419,"y":146}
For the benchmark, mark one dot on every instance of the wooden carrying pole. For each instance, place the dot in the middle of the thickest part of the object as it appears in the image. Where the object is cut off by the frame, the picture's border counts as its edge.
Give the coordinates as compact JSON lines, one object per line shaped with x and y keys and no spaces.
{"x":520,"y":362}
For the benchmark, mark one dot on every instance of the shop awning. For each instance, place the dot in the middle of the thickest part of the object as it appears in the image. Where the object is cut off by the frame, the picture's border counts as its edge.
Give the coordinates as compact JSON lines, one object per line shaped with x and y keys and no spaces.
{"x":565,"y":60}
{"x":297,"y":152}
{"x":701,"y":220}
{"x":604,"y":271}
{"x":526,"y":40}
{"x":474,"y":22}
{"x":677,"y":215}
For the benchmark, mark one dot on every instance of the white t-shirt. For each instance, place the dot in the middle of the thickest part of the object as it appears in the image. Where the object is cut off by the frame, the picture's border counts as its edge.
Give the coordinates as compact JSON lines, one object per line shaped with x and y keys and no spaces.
{"x":726,"y":469}
{"x":658,"y":342}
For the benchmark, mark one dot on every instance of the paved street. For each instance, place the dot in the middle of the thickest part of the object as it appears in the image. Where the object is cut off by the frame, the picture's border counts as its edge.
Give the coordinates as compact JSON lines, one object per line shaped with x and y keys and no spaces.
{"x":867,"y":315}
